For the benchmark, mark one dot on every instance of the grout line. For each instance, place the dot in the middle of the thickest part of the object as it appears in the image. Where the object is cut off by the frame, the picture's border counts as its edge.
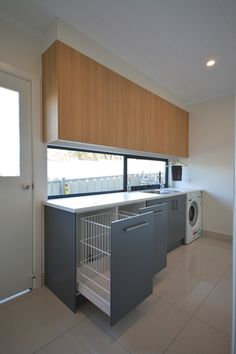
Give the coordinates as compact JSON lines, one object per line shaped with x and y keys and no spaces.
{"x":175,"y":306}
{"x":192,"y":315}
{"x":213,"y":288}
{"x":179,"y":332}
{"x":59,"y":335}
{"x":209,"y":325}
{"x":128,"y":352}
{"x":113,"y":336}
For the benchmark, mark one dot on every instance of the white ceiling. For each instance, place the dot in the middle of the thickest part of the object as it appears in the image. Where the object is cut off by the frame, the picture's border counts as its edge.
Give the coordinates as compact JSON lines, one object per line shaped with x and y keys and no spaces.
{"x":168,"y":40}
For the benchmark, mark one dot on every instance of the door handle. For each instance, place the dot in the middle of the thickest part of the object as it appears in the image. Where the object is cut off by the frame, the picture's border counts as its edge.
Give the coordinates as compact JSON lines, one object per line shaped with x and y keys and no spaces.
{"x":26,"y":186}
{"x":135,"y":227}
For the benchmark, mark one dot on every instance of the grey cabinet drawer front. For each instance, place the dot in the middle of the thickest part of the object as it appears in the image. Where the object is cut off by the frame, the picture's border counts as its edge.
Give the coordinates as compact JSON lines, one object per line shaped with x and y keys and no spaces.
{"x":156,"y":202}
{"x":131,"y":264}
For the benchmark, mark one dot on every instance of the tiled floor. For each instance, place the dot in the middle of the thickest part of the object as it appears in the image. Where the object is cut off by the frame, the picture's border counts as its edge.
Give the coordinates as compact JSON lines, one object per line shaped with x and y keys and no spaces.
{"x":188,"y":313}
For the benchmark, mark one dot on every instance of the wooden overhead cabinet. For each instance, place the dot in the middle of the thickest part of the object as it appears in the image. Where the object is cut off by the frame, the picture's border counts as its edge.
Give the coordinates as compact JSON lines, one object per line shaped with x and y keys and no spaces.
{"x":83,"y":101}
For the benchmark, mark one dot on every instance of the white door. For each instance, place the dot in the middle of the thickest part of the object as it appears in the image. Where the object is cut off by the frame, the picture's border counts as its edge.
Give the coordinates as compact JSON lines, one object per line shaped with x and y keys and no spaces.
{"x":15,"y":186}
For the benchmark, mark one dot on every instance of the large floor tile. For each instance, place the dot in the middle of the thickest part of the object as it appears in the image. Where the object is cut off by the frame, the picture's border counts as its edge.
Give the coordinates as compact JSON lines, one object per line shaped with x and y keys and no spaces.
{"x":198,"y":338}
{"x":28,"y":324}
{"x":216,"y":310}
{"x":17,"y":299}
{"x":121,"y":326}
{"x":61,"y":346}
{"x":181,"y":254}
{"x":183,"y":290}
{"x":155,"y":330}
{"x":189,"y":281}
{"x":204,"y":249}
{"x":148,"y":303}
{"x":127,"y":321}
{"x":115,"y":348}
{"x":85,"y":337}
{"x":215,"y":250}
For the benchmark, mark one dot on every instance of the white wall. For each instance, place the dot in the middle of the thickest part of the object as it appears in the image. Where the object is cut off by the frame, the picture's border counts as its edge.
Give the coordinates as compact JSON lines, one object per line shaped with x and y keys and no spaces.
{"x":20,"y":49}
{"x":211,"y":161}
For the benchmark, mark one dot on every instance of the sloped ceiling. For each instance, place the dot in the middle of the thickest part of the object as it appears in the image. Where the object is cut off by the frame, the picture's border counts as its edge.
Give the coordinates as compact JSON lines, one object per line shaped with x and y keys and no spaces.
{"x":168,"y":40}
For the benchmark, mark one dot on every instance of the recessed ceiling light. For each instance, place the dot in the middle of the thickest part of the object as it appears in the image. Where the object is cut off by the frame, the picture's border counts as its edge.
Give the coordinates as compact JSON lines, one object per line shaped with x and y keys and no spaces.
{"x":210,"y":62}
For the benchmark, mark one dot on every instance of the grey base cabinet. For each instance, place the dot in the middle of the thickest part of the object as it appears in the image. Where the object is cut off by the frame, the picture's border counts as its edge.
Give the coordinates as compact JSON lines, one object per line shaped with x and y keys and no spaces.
{"x":87,"y":259}
{"x":176,"y":221}
{"x":159,"y":235}
{"x":60,"y":255}
{"x":176,"y":215}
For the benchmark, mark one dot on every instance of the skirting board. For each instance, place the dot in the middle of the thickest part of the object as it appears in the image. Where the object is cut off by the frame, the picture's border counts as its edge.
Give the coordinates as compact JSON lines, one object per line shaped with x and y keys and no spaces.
{"x":217,"y":236}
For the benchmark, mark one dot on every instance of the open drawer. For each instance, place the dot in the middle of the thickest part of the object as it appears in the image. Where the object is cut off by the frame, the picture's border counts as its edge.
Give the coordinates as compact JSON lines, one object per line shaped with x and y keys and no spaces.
{"x":115,"y":269}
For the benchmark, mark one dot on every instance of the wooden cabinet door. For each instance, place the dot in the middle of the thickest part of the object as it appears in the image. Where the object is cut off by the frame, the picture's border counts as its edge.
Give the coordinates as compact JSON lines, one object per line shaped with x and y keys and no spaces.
{"x":84,"y":98}
{"x":83,"y":101}
{"x":174,"y":122}
{"x":168,"y":129}
{"x":181,"y":132}
{"x":140,"y":123}
{"x":121,"y":112}
{"x":130,"y":114}
{"x":156,"y":141}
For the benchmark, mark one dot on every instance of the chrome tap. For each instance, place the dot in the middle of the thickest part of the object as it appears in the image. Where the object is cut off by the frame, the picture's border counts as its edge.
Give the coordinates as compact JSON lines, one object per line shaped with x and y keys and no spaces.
{"x":161,"y":182}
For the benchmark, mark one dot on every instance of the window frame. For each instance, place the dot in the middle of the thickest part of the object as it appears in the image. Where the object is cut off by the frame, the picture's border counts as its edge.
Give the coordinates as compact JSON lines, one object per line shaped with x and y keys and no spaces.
{"x":125,"y":171}
{"x":138,"y":157}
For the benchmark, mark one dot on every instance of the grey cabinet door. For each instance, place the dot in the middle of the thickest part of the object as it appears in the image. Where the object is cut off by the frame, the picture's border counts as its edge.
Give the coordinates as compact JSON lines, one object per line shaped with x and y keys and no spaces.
{"x":131,"y":264}
{"x":60,"y":254}
{"x":159,"y":235}
{"x":176,"y":221}
{"x":181,"y":216}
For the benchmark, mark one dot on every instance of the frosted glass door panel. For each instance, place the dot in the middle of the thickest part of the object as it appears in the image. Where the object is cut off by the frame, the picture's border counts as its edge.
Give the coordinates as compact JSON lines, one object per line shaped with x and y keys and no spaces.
{"x":9,"y":133}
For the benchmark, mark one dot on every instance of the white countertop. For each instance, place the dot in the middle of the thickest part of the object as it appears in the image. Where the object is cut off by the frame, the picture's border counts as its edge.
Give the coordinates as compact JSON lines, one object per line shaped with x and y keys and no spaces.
{"x":100,"y":201}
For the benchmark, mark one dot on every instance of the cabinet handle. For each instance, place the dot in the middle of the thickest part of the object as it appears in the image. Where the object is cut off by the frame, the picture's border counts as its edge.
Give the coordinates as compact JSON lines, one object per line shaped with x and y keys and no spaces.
{"x":158,"y":212}
{"x":135,"y":227}
{"x":176,"y":204}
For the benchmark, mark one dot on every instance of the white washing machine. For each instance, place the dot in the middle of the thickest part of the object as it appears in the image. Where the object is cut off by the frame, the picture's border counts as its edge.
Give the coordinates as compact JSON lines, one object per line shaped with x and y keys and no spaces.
{"x":193,"y":216}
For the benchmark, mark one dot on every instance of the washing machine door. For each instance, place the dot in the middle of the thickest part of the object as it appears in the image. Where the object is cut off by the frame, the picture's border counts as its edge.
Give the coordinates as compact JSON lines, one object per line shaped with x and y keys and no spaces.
{"x":193,"y":213}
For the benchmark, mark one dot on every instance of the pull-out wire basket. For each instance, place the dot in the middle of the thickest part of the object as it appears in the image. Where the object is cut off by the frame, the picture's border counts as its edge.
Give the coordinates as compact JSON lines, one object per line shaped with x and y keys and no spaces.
{"x":93,"y":274}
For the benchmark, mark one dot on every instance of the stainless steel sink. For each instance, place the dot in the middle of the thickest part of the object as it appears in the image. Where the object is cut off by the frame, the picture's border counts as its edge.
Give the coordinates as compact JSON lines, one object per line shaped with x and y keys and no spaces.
{"x":162,"y":191}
